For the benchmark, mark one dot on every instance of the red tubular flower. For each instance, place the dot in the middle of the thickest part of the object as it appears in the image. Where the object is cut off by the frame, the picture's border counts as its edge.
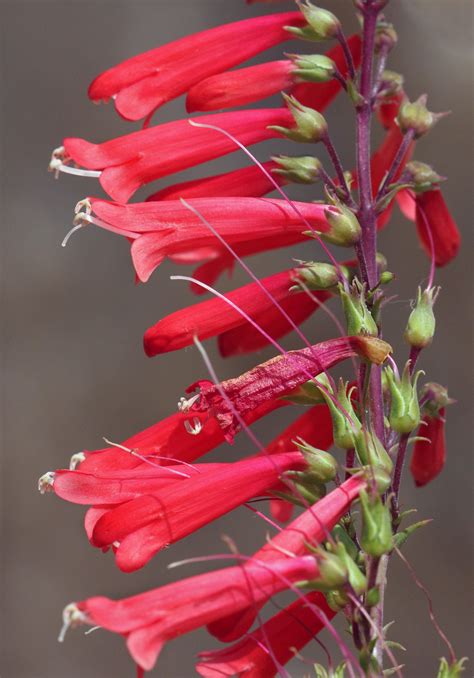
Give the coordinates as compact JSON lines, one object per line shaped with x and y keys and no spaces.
{"x":277,"y":377}
{"x":246,"y":85}
{"x":387,"y":110}
{"x":167,"y":438}
{"x":136,"y":159}
{"x":215,"y":316}
{"x":429,"y":455}
{"x":314,"y":427}
{"x":150,"y":619}
{"x":311,"y":527}
{"x":432,"y":213}
{"x":169,"y":229}
{"x":148,"y":523}
{"x":253,"y":657}
{"x":247,"y":181}
{"x":145,"y":82}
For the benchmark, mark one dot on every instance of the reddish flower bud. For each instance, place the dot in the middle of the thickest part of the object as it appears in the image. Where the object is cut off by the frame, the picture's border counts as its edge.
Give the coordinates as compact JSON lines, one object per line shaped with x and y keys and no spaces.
{"x":148,"y":620}
{"x":289,"y":630}
{"x":145,"y":82}
{"x":429,"y":455}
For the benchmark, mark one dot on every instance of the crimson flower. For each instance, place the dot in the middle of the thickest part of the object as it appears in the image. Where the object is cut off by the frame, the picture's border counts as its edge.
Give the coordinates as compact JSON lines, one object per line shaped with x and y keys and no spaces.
{"x":277,"y":377}
{"x":169,"y":229}
{"x":311,"y":527}
{"x":216,"y":317}
{"x":253,"y":657}
{"x":432,"y":213}
{"x":145,"y":82}
{"x":148,"y":620}
{"x":246,"y":85}
{"x":136,"y":159}
{"x":429,"y":455}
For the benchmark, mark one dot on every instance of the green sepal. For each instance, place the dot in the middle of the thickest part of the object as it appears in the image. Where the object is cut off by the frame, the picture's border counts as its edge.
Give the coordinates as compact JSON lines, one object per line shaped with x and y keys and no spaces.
{"x":359,"y":319}
{"x":310,"y":125}
{"x":376,"y":535}
{"x":313,"y":67}
{"x":421,"y":324}
{"x":400,"y":538}
{"x":322,"y":465}
{"x":453,"y":670}
{"x":341,"y":535}
{"x":298,"y":169}
{"x":404,"y":406}
{"x":344,"y":431}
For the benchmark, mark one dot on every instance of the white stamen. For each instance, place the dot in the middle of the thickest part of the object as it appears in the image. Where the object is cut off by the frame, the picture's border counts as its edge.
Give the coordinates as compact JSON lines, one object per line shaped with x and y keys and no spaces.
{"x":121,"y":447}
{"x":83,"y":205}
{"x":185,"y":404}
{"x":77,"y":171}
{"x":94,"y":628}
{"x":46,"y":482}
{"x":76,"y":459}
{"x":193,"y":428}
{"x":116,"y":544}
{"x":58,"y":163}
{"x":69,"y":233}
{"x":72,"y":617}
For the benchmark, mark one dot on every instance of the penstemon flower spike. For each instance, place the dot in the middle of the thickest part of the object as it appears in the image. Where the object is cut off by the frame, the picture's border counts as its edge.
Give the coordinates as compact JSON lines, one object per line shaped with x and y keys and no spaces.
{"x":153,"y":489}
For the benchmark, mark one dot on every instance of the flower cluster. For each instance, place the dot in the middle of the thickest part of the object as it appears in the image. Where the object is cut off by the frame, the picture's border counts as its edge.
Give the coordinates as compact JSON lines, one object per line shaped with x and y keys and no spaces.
{"x":153,"y":488}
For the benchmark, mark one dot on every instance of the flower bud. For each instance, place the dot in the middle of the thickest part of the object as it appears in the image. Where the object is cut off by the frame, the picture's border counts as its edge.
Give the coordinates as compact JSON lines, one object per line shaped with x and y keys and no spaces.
{"x":340,"y":534}
{"x":322,"y":465}
{"x":404,"y":407}
{"x":309,"y":124}
{"x":371,"y":452}
{"x":320,"y":276}
{"x":421,"y":324}
{"x":299,"y":170}
{"x":344,"y":431}
{"x":385,"y":36}
{"x":322,"y":24}
{"x":307,"y":488}
{"x":345,"y":229}
{"x":453,"y":670}
{"x":435,"y":398}
{"x":313,"y":67}
{"x":356,"y":578}
{"x":359,"y":319}
{"x":376,"y":536}
{"x":422,"y":176}
{"x":333,"y":571}
{"x":416,"y":117}
{"x":377,"y":475}
{"x":337,"y":600}
{"x":391,"y":84}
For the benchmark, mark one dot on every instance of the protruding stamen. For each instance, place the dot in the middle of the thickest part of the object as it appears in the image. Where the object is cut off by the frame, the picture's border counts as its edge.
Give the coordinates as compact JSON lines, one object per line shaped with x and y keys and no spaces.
{"x":46,"y":482}
{"x":58,"y":163}
{"x":194,"y":427}
{"x":72,"y":617}
{"x":76,"y":460}
{"x":69,"y":233}
{"x":185,"y":404}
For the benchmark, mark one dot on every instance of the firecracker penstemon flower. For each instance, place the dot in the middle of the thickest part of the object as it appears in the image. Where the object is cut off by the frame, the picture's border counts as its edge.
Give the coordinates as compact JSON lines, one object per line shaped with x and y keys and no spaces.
{"x":348,"y":440}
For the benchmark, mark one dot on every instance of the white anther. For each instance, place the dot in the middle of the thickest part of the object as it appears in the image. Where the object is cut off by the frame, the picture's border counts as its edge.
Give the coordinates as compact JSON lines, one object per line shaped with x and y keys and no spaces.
{"x":194,"y":427}
{"x":46,"y":482}
{"x":83,"y":205}
{"x":185,"y":404}
{"x":72,"y":617}
{"x":116,"y":544}
{"x":76,"y":459}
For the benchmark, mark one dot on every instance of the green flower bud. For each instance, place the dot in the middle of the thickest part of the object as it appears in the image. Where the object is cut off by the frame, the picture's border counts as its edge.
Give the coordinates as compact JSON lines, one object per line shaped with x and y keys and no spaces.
{"x":337,"y":600}
{"x":421,"y":325}
{"x":382,"y":263}
{"x":373,"y":597}
{"x":307,"y":488}
{"x":453,"y":670}
{"x":341,"y":535}
{"x":416,"y":117}
{"x":391,"y":84}
{"x":377,"y":474}
{"x":359,"y":320}
{"x":322,"y":465}
{"x":299,"y":170}
{"x":333,"y":571}
{"x":313,"y":67}
{"x":371,"y":452}
{"x":309,"y":124}
{"x":422,"y":176}
{"x":376,"y":535}
{"x":404,"y":407}
{"x":435,"y":397}
{"x":344,"y":431}
{"x":322,"y":24}
{"x":386,"y":278}
{"x":356,"y":578}
{"x":320,"y":276}
{"x":345,"y":229}
{"x":385,"y":36}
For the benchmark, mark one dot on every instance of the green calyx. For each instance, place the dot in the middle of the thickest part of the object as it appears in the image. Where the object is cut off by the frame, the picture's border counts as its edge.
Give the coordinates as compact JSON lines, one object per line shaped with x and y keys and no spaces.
{"x":371,"y":453}
{"x":309,"y":393}
{"x":322,"y":24}
{"x":358,"y":317}
{"x":421,"y":324}
{"x":416,"y":117}
{"x":322,"y":467}
{"x":309,"y":124}
{"x":452,"y":670}
{"x":435,"y":398}
{"x":376,"y":536}
{"x":320,"y":276}
{"x":422,"y":176}
{"x":355,"y":577}
{"x":313,"y":67}
{"x":299,"y":170}
{"x":404,"y":406}
{"x":345,"y":229}
{"x":345,"y":423}
{"x":391,"y":84}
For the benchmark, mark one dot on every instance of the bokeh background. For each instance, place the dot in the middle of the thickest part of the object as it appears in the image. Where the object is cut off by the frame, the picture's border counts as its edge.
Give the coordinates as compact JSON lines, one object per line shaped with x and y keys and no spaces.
{"x":73,"y":319}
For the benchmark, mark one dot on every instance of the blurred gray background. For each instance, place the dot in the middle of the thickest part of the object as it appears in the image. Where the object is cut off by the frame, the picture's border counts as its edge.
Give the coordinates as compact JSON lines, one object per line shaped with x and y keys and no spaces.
{"x":73,"y":321}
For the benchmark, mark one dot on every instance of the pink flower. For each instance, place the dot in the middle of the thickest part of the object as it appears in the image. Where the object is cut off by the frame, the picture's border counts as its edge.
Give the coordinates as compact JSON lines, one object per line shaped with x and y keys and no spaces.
{"x":141,"y":527}
{"x":311,"y":527}
{"x":145,"y":82}
{"x":429,"y":455}
{"x":136,"y":159}
{"x":148,"y":620}
{"x":253,"y":657}
{"x":169,"y":229}
{"x":246,"y":85}
{"x":277,"y":377}
{"x":216,"y":317}
{"x":247,"y":181}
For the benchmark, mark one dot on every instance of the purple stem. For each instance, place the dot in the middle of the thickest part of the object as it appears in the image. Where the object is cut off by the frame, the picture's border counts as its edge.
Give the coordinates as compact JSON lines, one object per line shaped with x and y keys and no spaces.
{"x":397,"y":161}
{"x":338,"y":167}
{"x":347,"y":53}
